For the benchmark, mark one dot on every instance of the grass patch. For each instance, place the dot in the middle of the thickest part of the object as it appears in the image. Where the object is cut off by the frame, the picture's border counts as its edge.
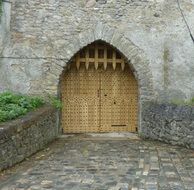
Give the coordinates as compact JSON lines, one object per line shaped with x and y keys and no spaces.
{"x":15,"y":105}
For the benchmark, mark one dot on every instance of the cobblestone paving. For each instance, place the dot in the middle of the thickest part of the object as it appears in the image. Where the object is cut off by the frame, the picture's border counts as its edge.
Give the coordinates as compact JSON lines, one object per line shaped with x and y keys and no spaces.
{"x":106,"y":164}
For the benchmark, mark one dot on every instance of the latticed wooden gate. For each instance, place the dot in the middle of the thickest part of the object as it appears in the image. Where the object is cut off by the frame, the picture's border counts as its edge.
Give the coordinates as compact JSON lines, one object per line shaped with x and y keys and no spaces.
{"x":99,"y":92}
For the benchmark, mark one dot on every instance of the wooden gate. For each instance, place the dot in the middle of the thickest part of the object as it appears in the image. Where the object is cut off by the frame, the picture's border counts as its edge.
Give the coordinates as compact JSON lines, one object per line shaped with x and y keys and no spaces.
{"x":99,"y":92}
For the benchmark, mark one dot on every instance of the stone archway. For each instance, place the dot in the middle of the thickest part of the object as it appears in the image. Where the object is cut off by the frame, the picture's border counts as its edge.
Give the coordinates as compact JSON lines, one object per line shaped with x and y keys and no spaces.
{"x":135,"y":56}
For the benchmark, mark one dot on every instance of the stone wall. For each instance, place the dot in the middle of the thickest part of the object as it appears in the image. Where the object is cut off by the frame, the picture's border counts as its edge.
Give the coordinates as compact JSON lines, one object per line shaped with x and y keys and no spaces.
{"x":22,"y":137}
{"x":44,"y":35}
{"x":169,"y":123}
{"x":38,"y":38}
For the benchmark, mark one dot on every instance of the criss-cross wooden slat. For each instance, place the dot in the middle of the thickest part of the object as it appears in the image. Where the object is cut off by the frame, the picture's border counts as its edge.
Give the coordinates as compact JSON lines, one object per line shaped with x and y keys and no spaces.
{"x":96,"y":60}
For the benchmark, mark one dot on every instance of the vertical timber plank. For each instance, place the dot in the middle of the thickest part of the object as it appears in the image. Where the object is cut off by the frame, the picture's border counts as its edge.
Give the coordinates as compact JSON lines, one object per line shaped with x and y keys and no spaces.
{"x":78,"y":61}
{"x":96,"y":57}
{"x":87,"y":58}
{"x":105,"y":57}
{"x":114,"y":64}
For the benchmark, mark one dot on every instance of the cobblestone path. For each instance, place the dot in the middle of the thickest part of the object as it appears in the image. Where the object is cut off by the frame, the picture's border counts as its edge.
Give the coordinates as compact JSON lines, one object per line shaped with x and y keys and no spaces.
{"x":105,"y":164}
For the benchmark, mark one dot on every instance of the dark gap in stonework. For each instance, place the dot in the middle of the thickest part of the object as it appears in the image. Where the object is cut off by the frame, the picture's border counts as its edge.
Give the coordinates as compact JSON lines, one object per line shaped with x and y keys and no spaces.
{"x":101,"y":1}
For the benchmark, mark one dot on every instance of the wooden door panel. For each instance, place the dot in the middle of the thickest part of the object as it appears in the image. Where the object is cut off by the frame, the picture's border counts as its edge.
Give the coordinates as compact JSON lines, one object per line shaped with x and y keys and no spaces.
{"x":80,"y":99}
{"x":118,"y":100}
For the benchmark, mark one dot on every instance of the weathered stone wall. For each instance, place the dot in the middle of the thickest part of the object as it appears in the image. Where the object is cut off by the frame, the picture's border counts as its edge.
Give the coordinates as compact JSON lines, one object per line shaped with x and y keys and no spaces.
{"x":42,"y":36}
{"x":4,"y":39}
{"x":169,"y":123}
{"x":45,"y":34}
{"x":22,"y":137}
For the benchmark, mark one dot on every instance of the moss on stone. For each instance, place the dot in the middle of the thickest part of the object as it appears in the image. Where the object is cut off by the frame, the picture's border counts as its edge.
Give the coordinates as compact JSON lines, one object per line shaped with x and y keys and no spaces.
{"x":183,"y":102}
{"x":166,"y":56}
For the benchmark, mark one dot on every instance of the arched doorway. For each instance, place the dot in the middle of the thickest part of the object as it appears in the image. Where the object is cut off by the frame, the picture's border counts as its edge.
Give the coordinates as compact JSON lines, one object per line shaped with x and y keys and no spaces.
{"x":99,"y":92}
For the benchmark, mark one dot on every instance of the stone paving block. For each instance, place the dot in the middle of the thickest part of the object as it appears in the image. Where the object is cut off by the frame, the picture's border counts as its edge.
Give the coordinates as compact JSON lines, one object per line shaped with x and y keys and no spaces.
{"x":125,"y":167}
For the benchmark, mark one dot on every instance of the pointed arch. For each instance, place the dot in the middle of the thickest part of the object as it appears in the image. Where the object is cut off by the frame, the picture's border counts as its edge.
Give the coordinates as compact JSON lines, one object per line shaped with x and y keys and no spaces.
{"x":135,"y":56}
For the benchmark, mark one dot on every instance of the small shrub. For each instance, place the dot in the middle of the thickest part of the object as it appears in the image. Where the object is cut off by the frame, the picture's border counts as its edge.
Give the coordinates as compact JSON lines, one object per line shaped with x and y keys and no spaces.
{"x":55,"y":102}
{"x":3,"y":116}
{"x":14,"y":110}
{"x":15,"y":105}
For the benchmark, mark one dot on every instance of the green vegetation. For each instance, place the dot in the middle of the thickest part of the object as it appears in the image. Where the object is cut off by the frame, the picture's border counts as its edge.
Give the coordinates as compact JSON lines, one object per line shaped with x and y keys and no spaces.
{"x":1,"y":2}
{"x":15,"y":105}
{"x":184,"y":102}
{"x":55,"y":102}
